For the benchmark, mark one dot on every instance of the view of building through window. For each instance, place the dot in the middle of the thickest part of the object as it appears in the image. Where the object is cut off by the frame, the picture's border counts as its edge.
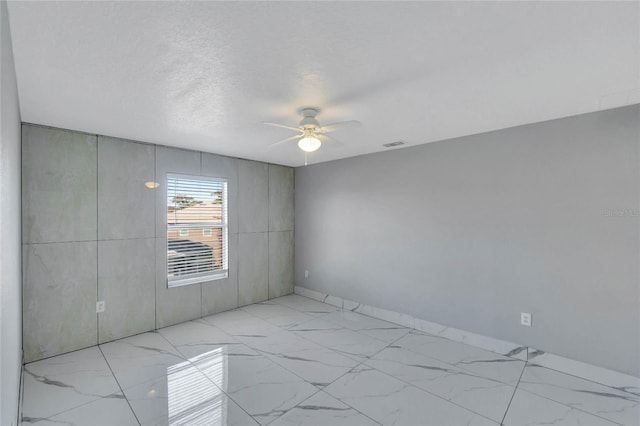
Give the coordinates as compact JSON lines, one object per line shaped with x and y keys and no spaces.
{"x":196,"y":229}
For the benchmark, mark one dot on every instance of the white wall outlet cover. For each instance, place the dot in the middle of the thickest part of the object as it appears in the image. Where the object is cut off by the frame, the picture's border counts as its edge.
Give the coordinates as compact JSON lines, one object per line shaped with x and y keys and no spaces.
{"x":100,"y":306}
{"x":525,"y":319}
{"x":306,"y":274}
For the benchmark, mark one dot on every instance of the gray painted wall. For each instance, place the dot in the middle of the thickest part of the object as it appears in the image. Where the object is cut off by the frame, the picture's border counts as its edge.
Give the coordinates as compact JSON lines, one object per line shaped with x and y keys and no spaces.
{"x":472,"y":231}
{"x":10,"y":271}
{"x":93,"y":231}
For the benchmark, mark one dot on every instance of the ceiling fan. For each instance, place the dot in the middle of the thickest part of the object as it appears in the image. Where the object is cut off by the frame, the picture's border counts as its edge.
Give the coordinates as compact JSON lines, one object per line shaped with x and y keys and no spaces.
{"x":310,"y":133}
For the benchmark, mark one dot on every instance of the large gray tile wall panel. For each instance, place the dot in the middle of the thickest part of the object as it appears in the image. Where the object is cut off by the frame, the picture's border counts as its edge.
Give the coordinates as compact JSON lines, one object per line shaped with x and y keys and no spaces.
{"x":253,"y":196}
{"x":59,"y":291}
{"x":177,"y":304}
{"x":280,"y":198}
{"x":253,"y":267}
{"x":225,"y":167}
{"x":222,"y":295}
{"x":125,"y":205}
{"x":126,"y":282}
{"x":280,"y":263}
{"x":59,"y":179}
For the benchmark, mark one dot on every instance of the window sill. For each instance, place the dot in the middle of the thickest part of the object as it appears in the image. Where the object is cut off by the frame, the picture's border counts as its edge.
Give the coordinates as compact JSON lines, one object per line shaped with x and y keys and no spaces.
{"x":197,"y":280}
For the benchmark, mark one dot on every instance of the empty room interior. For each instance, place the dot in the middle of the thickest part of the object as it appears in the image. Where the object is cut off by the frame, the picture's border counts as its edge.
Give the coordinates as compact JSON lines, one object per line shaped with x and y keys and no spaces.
{"x":320,"y":213}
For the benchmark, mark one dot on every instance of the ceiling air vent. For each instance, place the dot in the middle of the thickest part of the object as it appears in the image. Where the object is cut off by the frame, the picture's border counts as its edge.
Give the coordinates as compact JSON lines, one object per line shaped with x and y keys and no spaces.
{"x":392,"y":144}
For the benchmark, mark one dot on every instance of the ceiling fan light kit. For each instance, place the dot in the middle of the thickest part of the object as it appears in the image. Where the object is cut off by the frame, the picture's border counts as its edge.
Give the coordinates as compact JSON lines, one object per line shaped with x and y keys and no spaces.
{"x":311,"y":131}
{"x":309,"y":143}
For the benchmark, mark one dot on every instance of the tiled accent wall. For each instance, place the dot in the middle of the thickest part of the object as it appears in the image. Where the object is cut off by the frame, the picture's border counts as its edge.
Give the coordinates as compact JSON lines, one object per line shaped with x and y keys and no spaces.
{"x":92,"y":231}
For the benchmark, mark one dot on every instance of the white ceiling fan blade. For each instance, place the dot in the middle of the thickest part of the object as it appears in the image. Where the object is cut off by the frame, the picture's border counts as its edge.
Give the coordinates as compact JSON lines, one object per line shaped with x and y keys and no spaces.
{"x":339,"y":125}
{"x":284,"y":140}
{"x":295,"y":129}
{"x":331,"y":140}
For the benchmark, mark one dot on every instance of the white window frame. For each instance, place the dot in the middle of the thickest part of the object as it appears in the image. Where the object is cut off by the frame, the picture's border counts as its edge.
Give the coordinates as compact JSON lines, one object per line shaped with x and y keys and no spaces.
{"x":199,"y":277}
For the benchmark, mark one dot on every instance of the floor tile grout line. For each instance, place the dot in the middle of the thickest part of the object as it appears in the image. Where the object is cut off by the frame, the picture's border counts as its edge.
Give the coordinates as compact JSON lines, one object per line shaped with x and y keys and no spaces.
{"x":571,"y":407}
{"x":64,"y":353}
{"x":534,"y":364}
{"x":223,"y":392}
{"x":575,"y":408}
{"x":180,"y":354}
{"x":283,"y":328}
{"x":411,"y":384}
{"x":231,"y":397}
{"x":346,"y":328}
{"x":322,"y":346}
{"x":335,"y":380}
{"x":337,"y":399}
{"x":463,"y":369}
{"x":361,"y":331}
{"x":304,"y":312}
{"x":286,"y":327}
{"x":202,"y":372}
{"x":550,"y":399}
{"x":295,"y":406}
{"x":382,"y":372}
{"x":515,"y":389}
{"x":97,"y":398}
{"x":433,"y":394}
{"x":344,"y":354}
{"x":119,"y":386}
{"x":262,"y":353}
{"x":259,"y":354}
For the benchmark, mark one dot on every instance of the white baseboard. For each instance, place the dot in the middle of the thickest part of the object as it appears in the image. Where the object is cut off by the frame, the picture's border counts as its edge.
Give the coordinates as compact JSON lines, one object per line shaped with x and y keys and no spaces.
{"x":594,"y":373}
{"x":614,"y":379}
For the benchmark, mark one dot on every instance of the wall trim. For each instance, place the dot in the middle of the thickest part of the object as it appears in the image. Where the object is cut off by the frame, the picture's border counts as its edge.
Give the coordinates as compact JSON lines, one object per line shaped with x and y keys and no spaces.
{"x":20,"y":391}
{"x":605,"y":376}
{"x":611,"y":378}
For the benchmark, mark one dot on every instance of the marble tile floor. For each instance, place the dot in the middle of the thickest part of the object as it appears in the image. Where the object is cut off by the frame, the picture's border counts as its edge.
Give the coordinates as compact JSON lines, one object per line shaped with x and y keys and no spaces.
{"x":296,"y":361}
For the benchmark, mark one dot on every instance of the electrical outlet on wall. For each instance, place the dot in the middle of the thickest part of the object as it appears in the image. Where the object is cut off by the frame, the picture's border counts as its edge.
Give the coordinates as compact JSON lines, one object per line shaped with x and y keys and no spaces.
{"x":100,"y":307}
{"x":306,"y":273}
{"x":525,"y":319}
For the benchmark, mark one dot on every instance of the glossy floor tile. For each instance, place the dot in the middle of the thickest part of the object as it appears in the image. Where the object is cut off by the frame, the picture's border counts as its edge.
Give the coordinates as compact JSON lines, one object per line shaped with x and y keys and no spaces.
{"x":57,"y":384}
{"x":296,"y":361}
{"x":602,"y":401}
{"x":529,"y":409}
{"x":482,"y":395}
{"x":390,"y":401}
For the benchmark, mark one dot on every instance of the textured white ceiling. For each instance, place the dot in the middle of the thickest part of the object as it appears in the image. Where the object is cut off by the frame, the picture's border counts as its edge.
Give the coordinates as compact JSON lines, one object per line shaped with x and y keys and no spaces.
{"x":204,"y":75}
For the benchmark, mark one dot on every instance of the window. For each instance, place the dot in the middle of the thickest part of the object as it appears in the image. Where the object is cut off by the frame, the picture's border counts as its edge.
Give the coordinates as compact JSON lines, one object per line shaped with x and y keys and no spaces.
{"x":197,"y":241}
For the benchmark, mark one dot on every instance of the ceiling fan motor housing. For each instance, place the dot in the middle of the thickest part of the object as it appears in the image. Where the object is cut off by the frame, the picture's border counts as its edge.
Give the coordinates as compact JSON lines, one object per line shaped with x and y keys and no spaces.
{"x":309,"y":121}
